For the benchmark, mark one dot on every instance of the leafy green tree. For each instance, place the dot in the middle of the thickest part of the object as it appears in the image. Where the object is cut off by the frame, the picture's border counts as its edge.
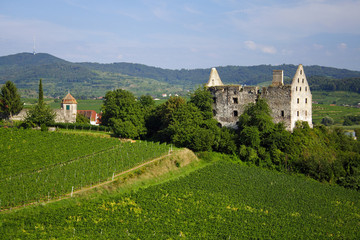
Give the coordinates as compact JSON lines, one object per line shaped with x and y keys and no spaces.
{"x":203,"y":100}
{"x":10,"y":102}
{"x":327,"y":121}
{"x":147,"y":102}
{"x":41,"y":114}
{"x":82,"y":119}
{"x":123,"y":113}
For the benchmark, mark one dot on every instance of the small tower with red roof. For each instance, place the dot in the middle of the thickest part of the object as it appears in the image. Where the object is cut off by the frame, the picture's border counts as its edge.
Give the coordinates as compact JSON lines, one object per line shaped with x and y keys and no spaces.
{"x":69,"y":108}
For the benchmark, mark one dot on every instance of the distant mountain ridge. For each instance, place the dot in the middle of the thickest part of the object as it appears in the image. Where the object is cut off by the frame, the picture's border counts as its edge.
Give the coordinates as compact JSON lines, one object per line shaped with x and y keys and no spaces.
{"x":94,"y":79}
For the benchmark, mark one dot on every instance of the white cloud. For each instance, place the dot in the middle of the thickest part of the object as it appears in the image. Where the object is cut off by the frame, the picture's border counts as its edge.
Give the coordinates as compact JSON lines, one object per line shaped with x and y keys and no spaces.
{"x":317,"y":46}
{"x":342,"y":46}
{"x":265,"y":49}
{"x":298,"y":20}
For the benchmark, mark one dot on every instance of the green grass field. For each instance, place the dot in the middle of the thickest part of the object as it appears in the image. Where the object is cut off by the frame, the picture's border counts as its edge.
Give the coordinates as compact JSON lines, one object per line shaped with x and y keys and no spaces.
{"x":222,"y":200}
{"x":337,"y":97}
{"x":335,"y":112}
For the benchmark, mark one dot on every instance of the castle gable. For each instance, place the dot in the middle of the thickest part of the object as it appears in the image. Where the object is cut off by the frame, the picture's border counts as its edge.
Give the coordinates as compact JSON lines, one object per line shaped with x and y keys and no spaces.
{"x":214,"y":79}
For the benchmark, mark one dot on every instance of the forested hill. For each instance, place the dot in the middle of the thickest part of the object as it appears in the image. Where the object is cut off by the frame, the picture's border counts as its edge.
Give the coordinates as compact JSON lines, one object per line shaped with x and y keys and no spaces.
{"x":94,"y":79}
{"x":250,"y":75}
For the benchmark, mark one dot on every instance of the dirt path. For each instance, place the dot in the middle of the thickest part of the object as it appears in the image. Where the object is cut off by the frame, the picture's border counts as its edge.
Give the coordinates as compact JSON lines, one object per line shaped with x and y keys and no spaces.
{"x":69,"y":195}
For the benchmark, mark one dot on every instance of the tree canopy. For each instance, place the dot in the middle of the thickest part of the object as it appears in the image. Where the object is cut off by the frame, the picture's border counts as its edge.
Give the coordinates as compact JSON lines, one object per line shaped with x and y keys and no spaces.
{"x":10,"y":102}
{"x":124,"y":114}
{"x":41,"y":114}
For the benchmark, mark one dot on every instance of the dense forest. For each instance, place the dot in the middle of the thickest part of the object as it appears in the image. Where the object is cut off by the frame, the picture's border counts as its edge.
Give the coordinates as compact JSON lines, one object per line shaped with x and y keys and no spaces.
{"x":93,"y":79}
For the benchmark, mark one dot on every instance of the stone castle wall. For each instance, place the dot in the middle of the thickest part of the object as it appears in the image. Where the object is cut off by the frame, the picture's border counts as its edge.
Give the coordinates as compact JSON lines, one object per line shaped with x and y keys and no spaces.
{"x":288,"y":103}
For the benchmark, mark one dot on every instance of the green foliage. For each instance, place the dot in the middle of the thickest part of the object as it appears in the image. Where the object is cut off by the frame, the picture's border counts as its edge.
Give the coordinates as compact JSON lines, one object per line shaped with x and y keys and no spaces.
{"x":147,"y":101}
{"x":220,"y":201}
{"x":123,"y":114}
{"x":10,"y":102}
{"x":41,"y":93}
{"x":39,"y":115}
{"x":203,"y":100}
{"x":351,"y":120}
{"x":327,"y":121}
{"x":82,"y":119}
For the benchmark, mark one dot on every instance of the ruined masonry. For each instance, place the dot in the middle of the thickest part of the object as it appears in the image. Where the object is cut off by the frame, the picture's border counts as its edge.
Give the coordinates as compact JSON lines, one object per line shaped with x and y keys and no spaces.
{"x":289,"y":103}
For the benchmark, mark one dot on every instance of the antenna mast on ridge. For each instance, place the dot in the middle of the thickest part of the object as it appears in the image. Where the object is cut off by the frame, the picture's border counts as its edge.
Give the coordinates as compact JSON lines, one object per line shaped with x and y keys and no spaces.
{"x":34,"y":47}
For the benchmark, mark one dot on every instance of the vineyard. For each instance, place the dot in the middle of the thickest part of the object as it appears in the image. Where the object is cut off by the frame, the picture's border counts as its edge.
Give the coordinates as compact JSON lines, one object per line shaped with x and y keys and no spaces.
{"x":220,"y":201}
{"x":39,"y":166}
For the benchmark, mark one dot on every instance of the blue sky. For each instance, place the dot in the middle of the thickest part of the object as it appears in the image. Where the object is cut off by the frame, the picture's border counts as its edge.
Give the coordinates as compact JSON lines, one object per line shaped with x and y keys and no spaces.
{"x":186,"y":34}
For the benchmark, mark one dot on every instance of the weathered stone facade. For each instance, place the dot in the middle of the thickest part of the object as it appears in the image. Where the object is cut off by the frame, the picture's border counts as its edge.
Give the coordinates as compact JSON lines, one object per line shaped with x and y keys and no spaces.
{"x":289,"y":103}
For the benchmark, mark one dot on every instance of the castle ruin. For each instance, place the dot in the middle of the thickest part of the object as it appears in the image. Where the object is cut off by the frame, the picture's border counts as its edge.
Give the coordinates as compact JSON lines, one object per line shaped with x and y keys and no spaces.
{"x":288,"y":103}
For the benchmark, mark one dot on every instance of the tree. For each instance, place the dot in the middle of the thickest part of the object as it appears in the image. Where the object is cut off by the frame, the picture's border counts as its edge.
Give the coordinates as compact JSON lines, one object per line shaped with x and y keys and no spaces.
{"x":327,"y":121}
{"x":82,"y":119}
{"x":123,"y":114}
{"x":41,"y":93}
{"x":10,"y":102}
{"x":203,"y":100}
{"x":41,"y":113}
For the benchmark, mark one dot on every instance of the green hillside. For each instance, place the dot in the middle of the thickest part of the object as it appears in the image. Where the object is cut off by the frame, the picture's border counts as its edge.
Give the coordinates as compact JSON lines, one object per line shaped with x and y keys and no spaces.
{"x":220,"y":201}
{"x":87,"y":80}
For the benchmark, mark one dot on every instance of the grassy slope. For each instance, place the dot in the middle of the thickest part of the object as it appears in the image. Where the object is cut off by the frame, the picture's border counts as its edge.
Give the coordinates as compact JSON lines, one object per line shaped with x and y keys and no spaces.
{"x":221,"y":200}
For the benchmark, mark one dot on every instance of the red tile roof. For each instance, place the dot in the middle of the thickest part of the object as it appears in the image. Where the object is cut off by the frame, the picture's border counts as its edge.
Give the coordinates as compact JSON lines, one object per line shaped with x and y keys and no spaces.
{"x":68,"y":99}
{"x":90,"y":114}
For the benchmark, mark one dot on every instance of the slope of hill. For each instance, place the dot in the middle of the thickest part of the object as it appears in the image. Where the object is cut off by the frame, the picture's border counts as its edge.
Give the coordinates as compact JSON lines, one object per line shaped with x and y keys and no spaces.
{"x":94,"y":79}
{"x":220,"y":201}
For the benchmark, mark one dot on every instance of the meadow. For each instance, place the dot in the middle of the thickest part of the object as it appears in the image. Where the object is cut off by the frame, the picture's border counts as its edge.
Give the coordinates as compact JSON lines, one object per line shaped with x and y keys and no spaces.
{"x":222,"y":200}
{"x":39,"y":165}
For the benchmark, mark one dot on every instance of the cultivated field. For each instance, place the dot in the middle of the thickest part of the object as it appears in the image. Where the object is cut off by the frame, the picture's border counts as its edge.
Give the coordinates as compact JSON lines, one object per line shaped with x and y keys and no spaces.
{"x":222,"y":200}
{"x":37,"y":165}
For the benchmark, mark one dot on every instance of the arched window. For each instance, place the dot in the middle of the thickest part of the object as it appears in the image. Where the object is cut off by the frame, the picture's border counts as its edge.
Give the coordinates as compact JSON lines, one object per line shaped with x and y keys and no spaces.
{"x":297,"y":113}
{"x":298,"y":100}
{"x":302,"y":80}
{"x":300,"y":72}
{"x":305,"y":100}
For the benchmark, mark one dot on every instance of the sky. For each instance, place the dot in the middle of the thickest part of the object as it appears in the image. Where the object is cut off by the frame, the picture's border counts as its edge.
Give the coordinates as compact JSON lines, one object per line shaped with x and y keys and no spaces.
{"x":187,"y":34}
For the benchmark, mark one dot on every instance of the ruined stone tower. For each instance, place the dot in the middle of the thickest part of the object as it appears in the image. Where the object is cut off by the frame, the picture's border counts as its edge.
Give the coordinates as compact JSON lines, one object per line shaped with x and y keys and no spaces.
{"x":289,"y":103}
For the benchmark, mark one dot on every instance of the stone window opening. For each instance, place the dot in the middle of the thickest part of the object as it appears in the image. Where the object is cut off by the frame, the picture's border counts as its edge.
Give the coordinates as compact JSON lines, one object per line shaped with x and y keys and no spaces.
{"x":235,"y":99}
{"x":282,"y":113}
{"x":300,"y":89}
{"x":236,"y":113}
{"x":298,"y":80}
{"x":300,"y":72}
{"x":302,"y":80}
{"x":305,"y":89}
{"x":298,"y":113}
{"x":214,"y":99}
{"x":296,"y":88}
{"x":67,"y":107}
{"x":305,"y":100}
{"x":214,"y":112}
{"x":306,"y":113}
{"x":298,"y":100}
